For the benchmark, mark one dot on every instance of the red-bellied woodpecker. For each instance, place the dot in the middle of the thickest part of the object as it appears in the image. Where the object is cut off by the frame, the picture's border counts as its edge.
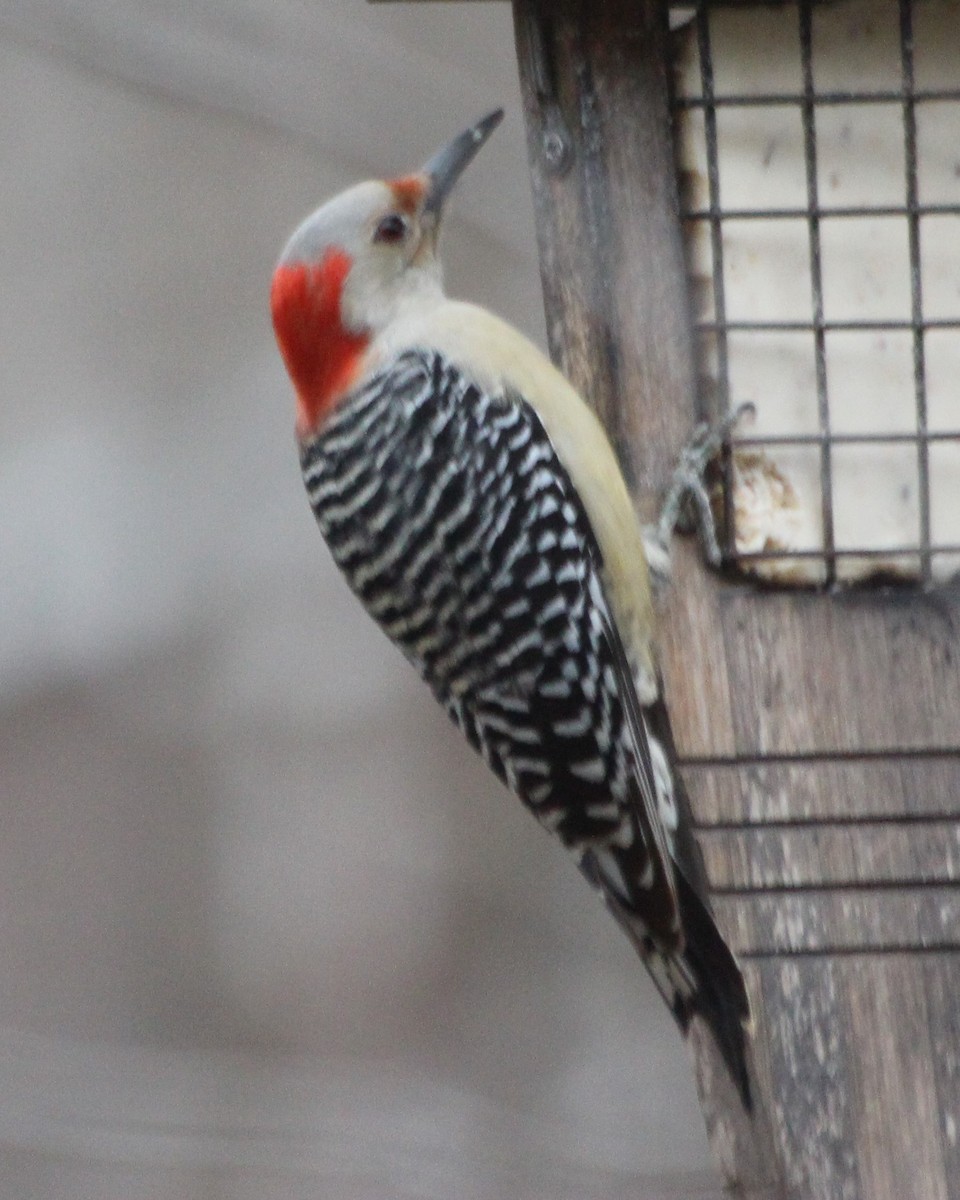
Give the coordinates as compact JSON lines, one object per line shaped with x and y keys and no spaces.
{"x":475,"y":506}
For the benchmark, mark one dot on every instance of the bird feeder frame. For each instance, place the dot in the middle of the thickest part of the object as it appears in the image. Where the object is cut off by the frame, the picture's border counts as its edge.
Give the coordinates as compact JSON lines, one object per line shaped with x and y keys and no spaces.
{"x":917,"y":558}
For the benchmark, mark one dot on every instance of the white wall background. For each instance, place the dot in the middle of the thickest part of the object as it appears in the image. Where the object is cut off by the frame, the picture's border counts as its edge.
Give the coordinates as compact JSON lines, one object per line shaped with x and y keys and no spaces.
{"x":267,"y":929}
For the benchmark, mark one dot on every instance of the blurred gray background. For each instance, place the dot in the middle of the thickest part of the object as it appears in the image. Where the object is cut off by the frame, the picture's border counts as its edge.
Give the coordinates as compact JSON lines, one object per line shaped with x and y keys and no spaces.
{"x":267,"y":928}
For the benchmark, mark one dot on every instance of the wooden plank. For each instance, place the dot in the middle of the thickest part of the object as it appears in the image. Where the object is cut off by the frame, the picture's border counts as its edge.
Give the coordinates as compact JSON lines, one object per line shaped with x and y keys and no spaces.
{"x":864,"y":672}
{"x":860,"y":788}
{"x":942,"y":986}
{"x":894,"y":1086}
{"x":601,"y":249}
{"x":816,"y":1015}
{"x":801,"y":1026}
{"x":856,"y":673}
{"x":778,"y":859}
{"x":848,"y":920}
{"x":693,"y":651}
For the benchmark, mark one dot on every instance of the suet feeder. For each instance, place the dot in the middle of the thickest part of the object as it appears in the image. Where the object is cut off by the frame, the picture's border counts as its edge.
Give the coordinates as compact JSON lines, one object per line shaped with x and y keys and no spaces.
{"x":762,"y":203}
{"x":820,"y":180}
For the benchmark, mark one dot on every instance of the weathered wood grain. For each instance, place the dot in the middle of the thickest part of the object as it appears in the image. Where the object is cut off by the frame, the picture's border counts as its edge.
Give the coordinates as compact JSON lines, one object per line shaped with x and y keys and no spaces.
{"x":942,"y":988}
{"x":861,"y":788}
{"x":614,"y":285}
{"x":898,"y":1157}
{"x":803,"y":673}
{"x":850,"y":673}
{"x":778,"y":858}
{"x":869,"y":1046}
{"x":808,"y":1054}
{"x":829,"y":921}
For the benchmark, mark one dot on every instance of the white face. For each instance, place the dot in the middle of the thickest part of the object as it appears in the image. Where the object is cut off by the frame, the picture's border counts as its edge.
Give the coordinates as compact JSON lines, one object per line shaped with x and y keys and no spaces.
{"x":391,"y":243}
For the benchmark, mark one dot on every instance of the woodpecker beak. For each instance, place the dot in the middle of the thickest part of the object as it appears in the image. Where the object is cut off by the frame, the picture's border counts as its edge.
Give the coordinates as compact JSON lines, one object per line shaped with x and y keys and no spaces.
{"x":447,"y":165}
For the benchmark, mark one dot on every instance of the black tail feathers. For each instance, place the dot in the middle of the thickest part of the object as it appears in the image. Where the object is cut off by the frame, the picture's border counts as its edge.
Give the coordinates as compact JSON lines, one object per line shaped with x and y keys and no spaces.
{"x":703,"y":979}
{"x":719,"y":995}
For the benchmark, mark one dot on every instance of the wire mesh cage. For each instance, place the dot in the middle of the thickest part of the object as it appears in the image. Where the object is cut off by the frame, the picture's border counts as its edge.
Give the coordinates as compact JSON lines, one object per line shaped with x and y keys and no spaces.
{"x":819,"y":155}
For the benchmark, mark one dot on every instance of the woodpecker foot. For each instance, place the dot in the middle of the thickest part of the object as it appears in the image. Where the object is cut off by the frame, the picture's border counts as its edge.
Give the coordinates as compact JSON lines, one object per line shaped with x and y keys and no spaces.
{"x":687,"y":503}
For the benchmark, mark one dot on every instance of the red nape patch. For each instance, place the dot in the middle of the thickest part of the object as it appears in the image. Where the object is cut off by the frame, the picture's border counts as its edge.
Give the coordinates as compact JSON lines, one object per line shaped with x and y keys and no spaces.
{"x":408,"y":191}
{"x":322,"y":357}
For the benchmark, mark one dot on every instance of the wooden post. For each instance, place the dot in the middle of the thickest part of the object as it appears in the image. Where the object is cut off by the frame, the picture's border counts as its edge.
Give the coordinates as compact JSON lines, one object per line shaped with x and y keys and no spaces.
{"x":820,"y":735}
{"x":605,"y":198}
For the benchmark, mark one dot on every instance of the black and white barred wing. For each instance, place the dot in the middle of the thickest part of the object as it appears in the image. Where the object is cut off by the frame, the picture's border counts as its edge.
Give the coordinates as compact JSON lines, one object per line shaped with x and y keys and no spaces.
{"x":457,"y":525}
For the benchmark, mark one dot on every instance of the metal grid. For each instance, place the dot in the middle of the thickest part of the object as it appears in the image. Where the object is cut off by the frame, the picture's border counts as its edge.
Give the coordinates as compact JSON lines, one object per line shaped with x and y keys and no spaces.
{"x":811,"y":102}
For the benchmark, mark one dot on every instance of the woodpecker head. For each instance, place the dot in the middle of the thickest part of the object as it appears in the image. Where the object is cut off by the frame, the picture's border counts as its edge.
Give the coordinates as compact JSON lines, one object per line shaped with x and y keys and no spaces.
{"x":354,"y":265}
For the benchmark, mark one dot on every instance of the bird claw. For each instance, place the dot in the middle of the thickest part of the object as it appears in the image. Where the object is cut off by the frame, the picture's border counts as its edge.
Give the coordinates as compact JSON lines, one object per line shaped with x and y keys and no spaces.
{"x":687,"y":490}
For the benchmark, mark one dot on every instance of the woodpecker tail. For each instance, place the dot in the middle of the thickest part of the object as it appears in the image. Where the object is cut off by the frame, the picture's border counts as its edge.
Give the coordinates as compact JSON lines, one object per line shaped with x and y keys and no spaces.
{"x":719,"y":995}
{"x":701,"y":978}
{"x":705,"y":979}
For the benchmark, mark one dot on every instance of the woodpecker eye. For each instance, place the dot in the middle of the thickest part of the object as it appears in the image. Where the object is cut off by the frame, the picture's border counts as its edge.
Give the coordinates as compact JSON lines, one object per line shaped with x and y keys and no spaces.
{"x":392,"y":228}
